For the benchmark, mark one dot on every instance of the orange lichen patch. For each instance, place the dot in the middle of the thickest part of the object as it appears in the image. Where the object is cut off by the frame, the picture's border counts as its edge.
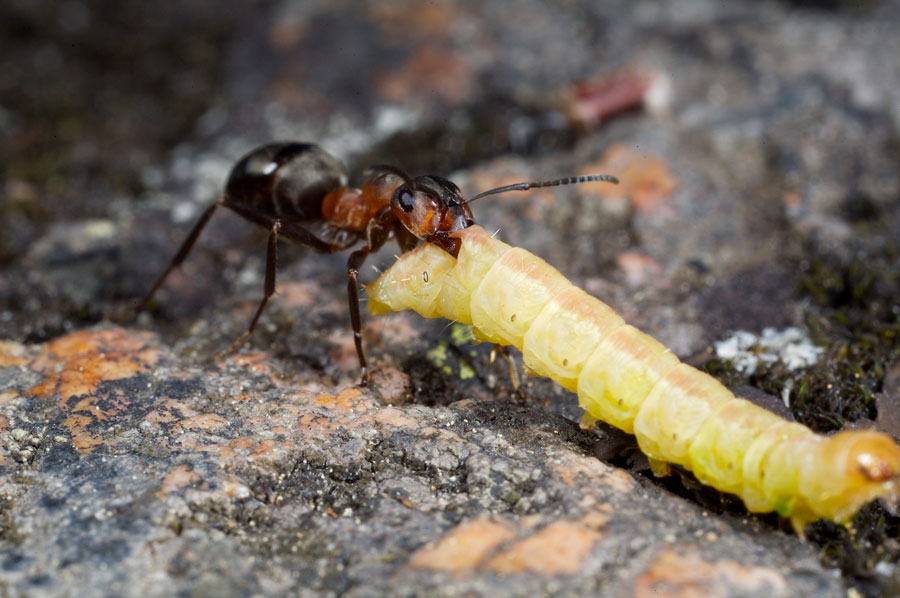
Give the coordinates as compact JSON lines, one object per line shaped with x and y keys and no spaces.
{"x":464,"y":547}
{"x":242,"y":442}
{"x":82,"y":439}
{"x":6,"y":396}
{"x":639,"y":268}
{"x":242,"y":445}
{"x":792,"y":200}
{"x":643,"y":180}
{"x":445,"y":436}
{"x":578,"y":470}
{"x":343,"y":354}
{"x":269,"y":450}
{"x":558,"y":549}
{"x":314,"y":425}
{"x":178,"y":477}
{"x":391,"y":386}
{"x":322,"y":425}
{"x":394,"y":328}
{"x":278,"y":418}
{"x":258,"y":363}
{"x":430,"y":70}
{"x":12,"y":354}
{"x":114,"y":404}
{"x":4,"y":427}
{"x":235,"y":488}
{"x":76,"y":363}
{"x":347,"y":401}
{"x":168,"y":410}
{"x":673,"y":575}
{"x":203,"y":421}
{"x":87,"y":411}
{"x":287,"y":33}
{"x":395,"y":418}
{"x":297,"y":295}
{"x":265,"y":447}
{"x":404,"y":18}
{"x":596,"y":518}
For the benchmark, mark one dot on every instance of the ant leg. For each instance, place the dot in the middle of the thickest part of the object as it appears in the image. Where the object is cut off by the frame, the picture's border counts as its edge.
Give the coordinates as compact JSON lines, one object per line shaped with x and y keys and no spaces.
{"x":271,"y":263}
{"x":181,"y":255}
{"x":354,"y":263}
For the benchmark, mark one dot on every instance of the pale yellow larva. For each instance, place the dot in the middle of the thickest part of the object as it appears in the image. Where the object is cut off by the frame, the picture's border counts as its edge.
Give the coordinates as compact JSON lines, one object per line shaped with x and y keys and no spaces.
{"x":626,"y":378}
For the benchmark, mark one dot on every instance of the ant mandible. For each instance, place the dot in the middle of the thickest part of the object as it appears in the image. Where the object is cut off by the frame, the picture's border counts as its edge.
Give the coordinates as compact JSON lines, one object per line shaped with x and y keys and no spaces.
{"x":299,"y":192}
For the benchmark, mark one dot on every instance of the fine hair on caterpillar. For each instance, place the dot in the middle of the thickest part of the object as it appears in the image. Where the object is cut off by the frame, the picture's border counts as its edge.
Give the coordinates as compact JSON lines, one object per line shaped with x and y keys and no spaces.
{"x":626,"y":378}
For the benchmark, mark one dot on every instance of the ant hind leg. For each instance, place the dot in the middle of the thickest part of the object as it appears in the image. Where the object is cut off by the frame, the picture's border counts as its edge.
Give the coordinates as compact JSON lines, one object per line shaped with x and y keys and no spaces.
{"x":271,"y":264}
{"x":183,"y":252}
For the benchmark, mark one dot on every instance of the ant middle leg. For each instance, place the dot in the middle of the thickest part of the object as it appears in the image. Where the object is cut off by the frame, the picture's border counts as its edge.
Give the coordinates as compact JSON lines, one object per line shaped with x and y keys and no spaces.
{"x":269,"y":290}
{"x":183,"y":252}
{"x":377,"y":232}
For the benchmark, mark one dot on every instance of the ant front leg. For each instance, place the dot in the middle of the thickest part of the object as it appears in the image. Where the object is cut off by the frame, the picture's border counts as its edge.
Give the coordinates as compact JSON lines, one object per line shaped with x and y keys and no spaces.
{"x":269,"y":290}
{"x":354,"y":263}
{"x":377,"y":233}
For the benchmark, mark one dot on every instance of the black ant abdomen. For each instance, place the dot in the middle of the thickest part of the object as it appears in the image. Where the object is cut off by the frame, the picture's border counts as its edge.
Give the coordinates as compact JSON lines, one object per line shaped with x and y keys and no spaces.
{"x":284,"y":180}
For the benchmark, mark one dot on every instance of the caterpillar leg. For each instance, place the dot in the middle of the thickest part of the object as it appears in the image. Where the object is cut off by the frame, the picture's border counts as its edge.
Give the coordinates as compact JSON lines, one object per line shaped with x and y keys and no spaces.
{"x":513,"y":372}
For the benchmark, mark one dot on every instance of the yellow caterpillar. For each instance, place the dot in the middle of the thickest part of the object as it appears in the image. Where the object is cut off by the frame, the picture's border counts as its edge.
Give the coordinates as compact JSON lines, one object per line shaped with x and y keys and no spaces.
{"x":626,"y":378}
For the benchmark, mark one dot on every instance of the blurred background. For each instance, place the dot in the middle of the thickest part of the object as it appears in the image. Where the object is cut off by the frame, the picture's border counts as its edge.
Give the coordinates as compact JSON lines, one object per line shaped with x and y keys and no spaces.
{"x":735,"y":124}
{"x":758,"y":144}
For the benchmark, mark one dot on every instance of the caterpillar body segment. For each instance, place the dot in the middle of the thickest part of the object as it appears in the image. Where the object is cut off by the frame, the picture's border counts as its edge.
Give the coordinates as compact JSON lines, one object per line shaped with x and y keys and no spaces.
{"x":620,"y":373}
{"x":628,"y":379}
{"x":720,"y":452}
{"x":566,"y":332}
{"x":511,"y":295}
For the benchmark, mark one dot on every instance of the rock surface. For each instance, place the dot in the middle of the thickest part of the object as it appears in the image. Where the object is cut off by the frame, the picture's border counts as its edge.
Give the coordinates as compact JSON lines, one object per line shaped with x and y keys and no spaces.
{"x":760,"y":189}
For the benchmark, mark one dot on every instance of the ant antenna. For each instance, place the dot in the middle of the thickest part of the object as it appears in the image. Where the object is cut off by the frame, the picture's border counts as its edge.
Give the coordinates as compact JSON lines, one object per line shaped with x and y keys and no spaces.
{"x":390,"y":169}
{"x":572,"y":180}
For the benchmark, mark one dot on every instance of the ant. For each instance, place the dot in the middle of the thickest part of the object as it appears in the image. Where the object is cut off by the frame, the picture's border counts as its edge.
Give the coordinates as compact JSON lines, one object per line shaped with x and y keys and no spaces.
{"x":299,"y":193}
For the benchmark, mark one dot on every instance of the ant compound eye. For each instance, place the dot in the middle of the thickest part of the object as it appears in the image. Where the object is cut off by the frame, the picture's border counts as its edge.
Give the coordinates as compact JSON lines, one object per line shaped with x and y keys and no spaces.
{"x":405,"y":199}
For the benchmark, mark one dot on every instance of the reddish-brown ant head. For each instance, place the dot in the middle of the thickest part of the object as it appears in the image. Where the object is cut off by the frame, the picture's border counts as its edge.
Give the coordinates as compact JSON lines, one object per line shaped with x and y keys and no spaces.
{"x":432,"y":207}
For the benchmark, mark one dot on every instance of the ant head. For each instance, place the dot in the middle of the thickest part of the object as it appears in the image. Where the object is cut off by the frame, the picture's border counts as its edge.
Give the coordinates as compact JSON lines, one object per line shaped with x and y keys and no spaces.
{"x":432,"y":207}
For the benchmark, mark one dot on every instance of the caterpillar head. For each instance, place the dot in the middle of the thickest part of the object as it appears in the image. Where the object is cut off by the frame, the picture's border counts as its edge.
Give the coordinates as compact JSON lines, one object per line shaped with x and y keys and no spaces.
{"x":858,"y":466}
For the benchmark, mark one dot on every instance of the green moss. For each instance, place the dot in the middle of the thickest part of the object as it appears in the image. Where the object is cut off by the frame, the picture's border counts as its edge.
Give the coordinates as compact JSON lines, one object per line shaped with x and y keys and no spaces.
{"x":856,"y":319}
{"x":461,"y":334}
{"x":851,"y":300}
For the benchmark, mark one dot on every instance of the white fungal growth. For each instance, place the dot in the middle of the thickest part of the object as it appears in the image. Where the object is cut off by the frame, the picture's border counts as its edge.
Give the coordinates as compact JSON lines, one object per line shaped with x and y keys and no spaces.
{"x":790,"y":346}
